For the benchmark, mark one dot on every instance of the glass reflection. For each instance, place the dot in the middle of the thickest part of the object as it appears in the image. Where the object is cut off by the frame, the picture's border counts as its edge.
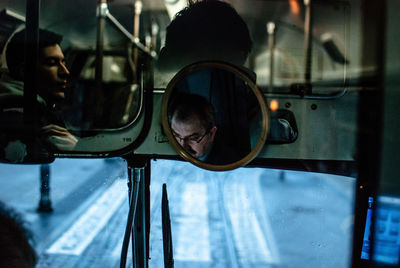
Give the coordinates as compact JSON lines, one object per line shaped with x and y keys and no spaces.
{"x":50,"y":132}
{"x":70,"y":104}
{"x":114,"y":104}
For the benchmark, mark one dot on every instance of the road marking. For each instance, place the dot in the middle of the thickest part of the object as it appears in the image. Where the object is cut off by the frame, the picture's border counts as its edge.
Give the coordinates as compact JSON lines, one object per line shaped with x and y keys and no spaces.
{"x":83,"y":231}
{"x":264,"y":220}
{"x":248,"y":235}
{"x":193,"y":234}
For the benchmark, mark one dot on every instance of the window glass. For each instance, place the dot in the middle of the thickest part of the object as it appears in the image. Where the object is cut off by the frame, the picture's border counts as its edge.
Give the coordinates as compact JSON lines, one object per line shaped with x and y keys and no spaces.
{"x":90,"y":207}
{"x":249,"y":217}
{"x":252,"y":217}
{"x":114,"y":69}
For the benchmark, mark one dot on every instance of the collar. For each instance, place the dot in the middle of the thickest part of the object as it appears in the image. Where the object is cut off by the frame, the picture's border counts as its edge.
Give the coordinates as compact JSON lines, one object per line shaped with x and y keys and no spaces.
{"x":15,"y":87}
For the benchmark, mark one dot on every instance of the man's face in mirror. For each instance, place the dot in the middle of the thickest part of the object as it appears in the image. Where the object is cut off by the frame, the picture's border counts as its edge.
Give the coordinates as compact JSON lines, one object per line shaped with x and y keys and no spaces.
{"x":192,"y":136}
{"x":53,"y":74}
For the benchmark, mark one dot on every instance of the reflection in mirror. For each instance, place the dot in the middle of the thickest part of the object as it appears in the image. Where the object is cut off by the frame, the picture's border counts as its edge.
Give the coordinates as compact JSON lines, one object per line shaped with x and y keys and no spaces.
{"x":215,"y":115}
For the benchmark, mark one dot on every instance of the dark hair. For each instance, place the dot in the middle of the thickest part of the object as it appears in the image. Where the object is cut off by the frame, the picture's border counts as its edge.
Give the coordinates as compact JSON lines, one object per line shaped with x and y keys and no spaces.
{"x":206,"y":30}
{"x":15,"y":239}
{"x":185,"y":106}
{"x":16,"y":48}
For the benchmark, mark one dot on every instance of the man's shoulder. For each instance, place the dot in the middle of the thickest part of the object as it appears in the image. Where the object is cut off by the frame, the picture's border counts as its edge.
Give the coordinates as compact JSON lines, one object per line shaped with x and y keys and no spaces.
{"x":222,"y":154}
{"x":8,"y":85}
{"x":11,"y":93}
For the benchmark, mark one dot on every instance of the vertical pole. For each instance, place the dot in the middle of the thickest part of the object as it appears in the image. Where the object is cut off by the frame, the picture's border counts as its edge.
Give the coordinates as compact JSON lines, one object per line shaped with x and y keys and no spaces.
{"x":136,"y":27}
{"x":139,"y":231}
{"x":45,"y":201}
{"x":31,"y":62}
{"x":271,"y":47}
{"x":133,"y":190}
{"x":101,"y":15}
{"x":135,"y":86}
{"x":154,"y":33}
{"x":137,"y":176}
{"x":308,"y":42}
{"x":102,"y":4}
{"x":139,"y":212}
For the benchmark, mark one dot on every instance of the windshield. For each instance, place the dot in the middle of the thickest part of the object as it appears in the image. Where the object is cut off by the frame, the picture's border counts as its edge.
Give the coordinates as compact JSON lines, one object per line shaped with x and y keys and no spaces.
{"x":253,"y":217}
{"x":249,"y":217}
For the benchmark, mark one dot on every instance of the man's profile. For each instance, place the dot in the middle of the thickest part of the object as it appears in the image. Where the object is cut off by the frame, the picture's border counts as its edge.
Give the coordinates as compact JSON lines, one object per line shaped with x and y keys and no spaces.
{"x":52,"y":72}
{"x":51,"y":85}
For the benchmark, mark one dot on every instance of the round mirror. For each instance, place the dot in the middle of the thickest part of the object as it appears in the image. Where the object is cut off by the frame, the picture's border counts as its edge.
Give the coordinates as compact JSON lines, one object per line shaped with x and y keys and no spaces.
{"x":215,"y":116}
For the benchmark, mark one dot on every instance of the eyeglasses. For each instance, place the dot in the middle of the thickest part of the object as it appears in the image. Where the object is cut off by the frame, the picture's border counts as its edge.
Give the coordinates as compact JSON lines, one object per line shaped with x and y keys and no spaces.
{"x":195,"y":138}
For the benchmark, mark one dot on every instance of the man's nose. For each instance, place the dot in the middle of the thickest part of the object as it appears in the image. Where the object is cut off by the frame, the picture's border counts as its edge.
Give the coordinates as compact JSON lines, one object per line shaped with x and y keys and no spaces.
{"x":63,"y":70}
{"x":187,"y":146}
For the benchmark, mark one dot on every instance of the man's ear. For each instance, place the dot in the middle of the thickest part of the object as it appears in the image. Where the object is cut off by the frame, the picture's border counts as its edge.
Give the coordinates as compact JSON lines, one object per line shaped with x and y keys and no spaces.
{"x":213,"y":130}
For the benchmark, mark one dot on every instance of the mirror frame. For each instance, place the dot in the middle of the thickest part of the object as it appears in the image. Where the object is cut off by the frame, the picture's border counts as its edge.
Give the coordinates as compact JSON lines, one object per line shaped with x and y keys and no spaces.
{"x":261,"y":101}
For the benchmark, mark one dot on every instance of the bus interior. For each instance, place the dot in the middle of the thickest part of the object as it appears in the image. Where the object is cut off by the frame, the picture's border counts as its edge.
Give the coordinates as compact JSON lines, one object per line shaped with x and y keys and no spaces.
{"x":205,"y":133}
